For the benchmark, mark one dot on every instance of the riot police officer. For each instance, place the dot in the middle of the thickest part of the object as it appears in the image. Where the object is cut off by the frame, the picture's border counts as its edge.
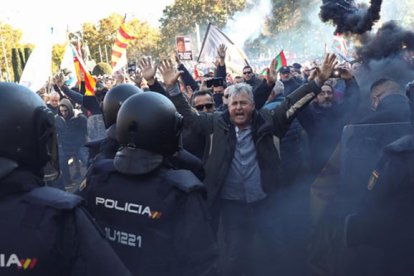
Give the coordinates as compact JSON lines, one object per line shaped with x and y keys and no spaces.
{"x":154,"y":216}
{"x":107,"y":147}
{"x":43,"y":230}
{"x":385,"y":219}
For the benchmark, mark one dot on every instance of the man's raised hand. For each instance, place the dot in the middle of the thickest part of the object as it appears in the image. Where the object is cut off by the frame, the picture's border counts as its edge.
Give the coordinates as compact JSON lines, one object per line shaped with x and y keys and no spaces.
{"x":221,"y":52}
{"x":271,"y":74}
{"x":169,"y":73}
{"x":324,"y":72}
{"x":148,"y":70}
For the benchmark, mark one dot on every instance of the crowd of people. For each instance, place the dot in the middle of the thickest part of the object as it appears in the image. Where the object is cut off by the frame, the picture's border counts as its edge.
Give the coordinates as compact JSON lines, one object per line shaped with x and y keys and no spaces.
{"x":227,"y":174}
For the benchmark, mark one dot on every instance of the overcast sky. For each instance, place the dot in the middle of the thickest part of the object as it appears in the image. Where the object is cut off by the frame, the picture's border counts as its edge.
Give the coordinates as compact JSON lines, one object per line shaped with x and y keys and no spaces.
{"x":35,"y":18}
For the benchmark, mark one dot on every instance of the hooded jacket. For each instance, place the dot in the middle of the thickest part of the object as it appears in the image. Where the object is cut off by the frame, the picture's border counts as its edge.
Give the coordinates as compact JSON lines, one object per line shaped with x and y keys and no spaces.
{"x":72,"y":130}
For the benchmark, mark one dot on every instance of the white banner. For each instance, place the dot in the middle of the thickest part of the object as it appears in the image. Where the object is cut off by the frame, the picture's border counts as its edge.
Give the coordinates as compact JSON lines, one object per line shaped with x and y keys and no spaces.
{"x":38,"y":68}
{"x":235,"y":58}
{"x":68,"y":66}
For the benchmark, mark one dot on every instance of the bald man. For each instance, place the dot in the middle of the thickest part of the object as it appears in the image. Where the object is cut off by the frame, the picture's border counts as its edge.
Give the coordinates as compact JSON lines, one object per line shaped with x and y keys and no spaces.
{"x":388,"y":102}
{"x":53,"y":104}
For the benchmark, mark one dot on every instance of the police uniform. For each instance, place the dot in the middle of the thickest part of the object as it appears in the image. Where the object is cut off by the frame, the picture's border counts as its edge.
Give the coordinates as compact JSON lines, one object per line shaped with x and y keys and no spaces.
{"x":154,"y":215}
{"x":44,"y":231}
{"x":385,"y":219}
{"x":156,"y":222}
{"x":106,"y":149}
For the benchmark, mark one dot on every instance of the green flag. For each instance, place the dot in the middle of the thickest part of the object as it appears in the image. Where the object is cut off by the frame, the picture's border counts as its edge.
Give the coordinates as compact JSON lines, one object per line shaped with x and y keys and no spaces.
{"x":281,"y":61}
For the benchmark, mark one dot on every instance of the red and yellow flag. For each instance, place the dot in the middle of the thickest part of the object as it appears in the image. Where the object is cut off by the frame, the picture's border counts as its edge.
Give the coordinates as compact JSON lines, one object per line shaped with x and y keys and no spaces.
{"x":80,"y":68}
{"x":121,"y":43}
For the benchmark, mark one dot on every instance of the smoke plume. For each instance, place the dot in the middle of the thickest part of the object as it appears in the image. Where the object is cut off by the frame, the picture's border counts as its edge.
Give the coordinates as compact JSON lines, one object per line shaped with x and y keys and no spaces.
{"x":348,"y":17}
{"x":248,"y":24}
{"x":388,"y":53}
{"x":390,"y":40}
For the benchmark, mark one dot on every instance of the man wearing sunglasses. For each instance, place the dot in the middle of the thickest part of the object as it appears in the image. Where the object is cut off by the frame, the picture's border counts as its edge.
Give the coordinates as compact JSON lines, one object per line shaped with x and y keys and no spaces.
{"x":195,"y":142}
{"x":203,"y":101}
{"x":250,"y":78}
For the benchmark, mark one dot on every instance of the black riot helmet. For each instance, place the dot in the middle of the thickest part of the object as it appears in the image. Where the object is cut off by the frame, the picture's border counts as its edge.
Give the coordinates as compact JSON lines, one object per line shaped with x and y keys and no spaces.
{"x":114,"y":99}
{"x":149,"y":121}
{"x":28,"y":135}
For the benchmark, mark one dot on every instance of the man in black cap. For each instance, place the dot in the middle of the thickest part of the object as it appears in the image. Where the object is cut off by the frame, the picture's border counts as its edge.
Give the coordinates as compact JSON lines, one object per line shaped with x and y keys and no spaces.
{"x":297,"y":71}
{"x":296,"y":67}
{"x":290,"y":83}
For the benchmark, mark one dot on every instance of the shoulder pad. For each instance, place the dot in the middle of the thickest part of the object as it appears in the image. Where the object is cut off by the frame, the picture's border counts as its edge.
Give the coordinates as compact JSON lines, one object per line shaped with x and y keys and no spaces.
{"x":405,"y":143}
{"x":100,"y":168}
{"x":104,"y":165}
{"x":52,"y":197}
{"x":184,"y":180}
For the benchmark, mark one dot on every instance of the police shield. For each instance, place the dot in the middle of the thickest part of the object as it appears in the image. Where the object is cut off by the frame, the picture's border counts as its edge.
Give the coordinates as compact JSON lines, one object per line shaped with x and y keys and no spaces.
{"x":360,"y":150}
{"x":362,"y":147}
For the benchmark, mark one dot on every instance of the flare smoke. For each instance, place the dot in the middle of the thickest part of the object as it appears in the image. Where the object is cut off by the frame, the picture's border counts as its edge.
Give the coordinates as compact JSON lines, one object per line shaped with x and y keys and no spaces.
{"x":390,"y":40}
{"x":348,"y":17}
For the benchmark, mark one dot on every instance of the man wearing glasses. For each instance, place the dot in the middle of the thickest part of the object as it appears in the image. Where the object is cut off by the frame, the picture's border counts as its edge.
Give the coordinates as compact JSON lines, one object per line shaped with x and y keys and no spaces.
{"x":249,"y":77}
{"x":203,"y":101}
{"x":195,"y":142}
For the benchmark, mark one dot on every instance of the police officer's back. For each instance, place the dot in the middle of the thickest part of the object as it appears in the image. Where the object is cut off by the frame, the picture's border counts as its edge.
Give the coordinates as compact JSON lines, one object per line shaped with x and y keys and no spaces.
{"x":107,"y":147}
{"x":43,"y":231}
{"x":154,"y":216}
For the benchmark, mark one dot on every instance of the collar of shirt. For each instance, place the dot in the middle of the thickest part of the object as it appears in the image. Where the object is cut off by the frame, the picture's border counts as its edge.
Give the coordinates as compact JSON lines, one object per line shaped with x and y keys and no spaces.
{"x":240,"y":131}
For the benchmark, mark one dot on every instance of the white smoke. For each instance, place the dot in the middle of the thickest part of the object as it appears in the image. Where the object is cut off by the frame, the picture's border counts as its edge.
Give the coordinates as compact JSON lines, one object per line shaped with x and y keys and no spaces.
{"x":248,"y":24}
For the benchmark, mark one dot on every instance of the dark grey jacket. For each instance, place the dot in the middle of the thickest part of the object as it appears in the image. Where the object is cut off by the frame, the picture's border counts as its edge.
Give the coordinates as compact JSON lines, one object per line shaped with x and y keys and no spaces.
{"x":267,"y":126}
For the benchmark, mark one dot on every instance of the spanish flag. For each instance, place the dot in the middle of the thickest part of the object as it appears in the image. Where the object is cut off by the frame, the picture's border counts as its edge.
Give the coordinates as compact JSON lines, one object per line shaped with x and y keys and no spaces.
{"x":80,"y":68}
{"x":121,"y":43}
